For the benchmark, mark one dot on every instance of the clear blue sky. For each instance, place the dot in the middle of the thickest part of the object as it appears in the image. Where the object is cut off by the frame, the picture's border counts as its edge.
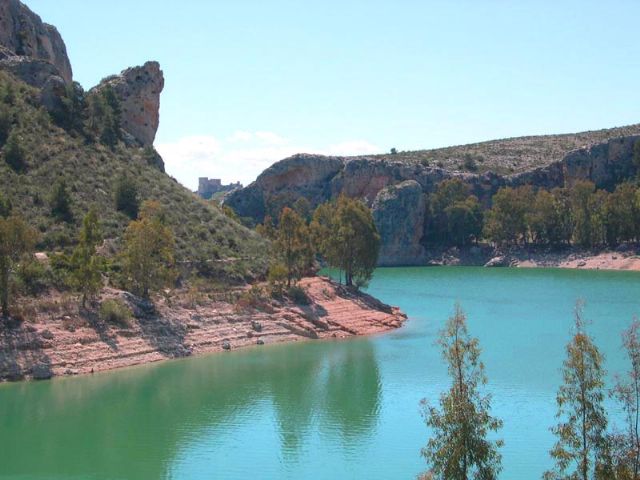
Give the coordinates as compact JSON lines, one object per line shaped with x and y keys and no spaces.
{"x":250,"y":81}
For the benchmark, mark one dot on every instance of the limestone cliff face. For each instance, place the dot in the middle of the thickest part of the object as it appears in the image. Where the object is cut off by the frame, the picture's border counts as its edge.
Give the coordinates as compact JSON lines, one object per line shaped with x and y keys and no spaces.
{"x":138,"y":90}
{"x":22,"y":33}
{"x":391,"y":187}
{"x":399,"y":214}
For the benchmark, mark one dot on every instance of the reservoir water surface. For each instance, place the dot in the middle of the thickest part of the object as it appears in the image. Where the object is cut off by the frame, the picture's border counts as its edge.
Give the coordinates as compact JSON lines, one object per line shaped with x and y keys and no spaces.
{"x":324,"y":410}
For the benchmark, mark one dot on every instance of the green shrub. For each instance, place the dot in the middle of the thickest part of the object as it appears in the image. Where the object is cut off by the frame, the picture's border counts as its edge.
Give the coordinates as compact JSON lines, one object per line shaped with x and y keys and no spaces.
{"x":116,"y":312}
{"x":298,"y":295}
{"x":60,"y":202}
{"x":32,"y":277}
{"x":15,"y":154}
{"x":126,"y":196}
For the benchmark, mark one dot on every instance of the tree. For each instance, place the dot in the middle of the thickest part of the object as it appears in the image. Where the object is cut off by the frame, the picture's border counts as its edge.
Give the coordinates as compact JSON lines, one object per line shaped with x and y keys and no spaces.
{"x":292,"y":244}
{"x":148,"y":251}
{"x":581,"y":445}
{"x":126,"y":196}
{"x":14,"y":153}
{"x":60,"y":202}
{"x":627,"y":392}
{"x":16,"y":242}
{"x":347,"y":238}
{"x":459,"y":448}
{"x":448,"y":193}
{"x":464,"y":221}
{"x":587,"y":211}
{"x":622,"y":215}
{"x":86,"y":263}
{"x":266,"y":228}
{"x":506,"y":222}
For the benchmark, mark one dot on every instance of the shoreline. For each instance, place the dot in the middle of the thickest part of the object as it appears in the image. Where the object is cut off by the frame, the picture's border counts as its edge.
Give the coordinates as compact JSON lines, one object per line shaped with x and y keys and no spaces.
{"x":68,"y":341}
{"x":625,"y":258}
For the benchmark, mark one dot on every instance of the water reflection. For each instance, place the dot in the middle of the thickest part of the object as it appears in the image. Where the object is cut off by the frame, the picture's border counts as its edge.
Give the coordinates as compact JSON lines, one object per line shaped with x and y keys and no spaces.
{"x":135,"y":423}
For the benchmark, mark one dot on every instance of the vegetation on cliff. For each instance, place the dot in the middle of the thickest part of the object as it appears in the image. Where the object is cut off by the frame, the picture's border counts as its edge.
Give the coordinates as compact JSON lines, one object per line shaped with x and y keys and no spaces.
{"x":54,"y":171}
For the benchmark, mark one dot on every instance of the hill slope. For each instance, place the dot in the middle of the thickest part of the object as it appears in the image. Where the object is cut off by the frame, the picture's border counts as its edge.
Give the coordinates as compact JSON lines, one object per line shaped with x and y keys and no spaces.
{"x":89,"y":169}
{"x":511,"y":155}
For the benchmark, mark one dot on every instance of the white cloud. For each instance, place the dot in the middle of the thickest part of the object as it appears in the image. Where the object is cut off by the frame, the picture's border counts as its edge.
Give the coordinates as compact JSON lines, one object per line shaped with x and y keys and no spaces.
{"x":240,"y":157}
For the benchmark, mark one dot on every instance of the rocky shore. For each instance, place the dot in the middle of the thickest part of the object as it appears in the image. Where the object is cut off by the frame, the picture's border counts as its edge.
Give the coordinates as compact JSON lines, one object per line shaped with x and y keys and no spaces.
{"x":62,"y":339}
{"x":625,"y":257}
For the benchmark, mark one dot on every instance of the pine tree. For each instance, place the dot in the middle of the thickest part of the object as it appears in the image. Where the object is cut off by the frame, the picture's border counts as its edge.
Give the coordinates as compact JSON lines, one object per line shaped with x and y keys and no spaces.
{"x":86,"y":263}
{"x":459,"y":448}
{"x":60,"y":202}
{"x":581,"y":445}
{"x":126,"y":196}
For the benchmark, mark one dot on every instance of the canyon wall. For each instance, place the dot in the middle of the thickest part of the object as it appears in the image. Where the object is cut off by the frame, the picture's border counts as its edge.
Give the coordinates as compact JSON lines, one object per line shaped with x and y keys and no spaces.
{"x":395,"y":189}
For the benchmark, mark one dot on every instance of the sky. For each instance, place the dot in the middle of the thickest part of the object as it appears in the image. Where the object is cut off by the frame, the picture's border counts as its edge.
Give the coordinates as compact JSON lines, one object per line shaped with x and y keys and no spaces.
{"x":250,"y":82}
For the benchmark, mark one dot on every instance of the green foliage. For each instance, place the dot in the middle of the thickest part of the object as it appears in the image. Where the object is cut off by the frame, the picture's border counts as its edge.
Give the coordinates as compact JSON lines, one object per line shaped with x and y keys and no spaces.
{"x":298,"y":295}
{"x":5,"y":206}
{"x":266,"y":228}
{"x":14,"y":153}
{"x":87,"y":265}
{"x":506,"y":222}
{"x":31,"y":276}
{"x":16,"y":244}
{"x":626,"y":457}
{"x":115,"y":311}
{"x":277,"y":278}
{"x":581,"y":444}
{"x":439,"y":224}
{"x":346,"y":237}
{"x":72,"y":108}
{"x":459,"y":448}
{"x":292,"y":245}
{"x":587,"y":207}
{"x":6,"y":122}
{"x":126,"y":196}
{"x":149,"y":249}
{"x":104,"y":116}
{"x":60,"y":202}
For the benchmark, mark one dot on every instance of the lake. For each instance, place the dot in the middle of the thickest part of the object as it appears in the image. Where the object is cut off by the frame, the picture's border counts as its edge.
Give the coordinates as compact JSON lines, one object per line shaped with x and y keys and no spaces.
{"x":324,"y":410}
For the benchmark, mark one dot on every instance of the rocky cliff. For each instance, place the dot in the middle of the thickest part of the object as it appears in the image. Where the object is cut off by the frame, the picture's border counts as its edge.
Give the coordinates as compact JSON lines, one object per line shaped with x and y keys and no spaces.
{"x":35,"y":53}
{"x":138,"y":90}
{"x":394,"y":187}
{"x":23,"y":34}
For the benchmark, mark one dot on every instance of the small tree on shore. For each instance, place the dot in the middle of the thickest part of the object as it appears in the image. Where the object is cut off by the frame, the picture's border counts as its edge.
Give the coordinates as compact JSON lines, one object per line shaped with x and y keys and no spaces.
{"x":86,"y":263}
{"x":346,"y":236}
{"x":292,"y":244}
{"x":459,"y":448}
{"x":581,"y":448}
{"x":16,"y":242}
{"x":148,"y":251}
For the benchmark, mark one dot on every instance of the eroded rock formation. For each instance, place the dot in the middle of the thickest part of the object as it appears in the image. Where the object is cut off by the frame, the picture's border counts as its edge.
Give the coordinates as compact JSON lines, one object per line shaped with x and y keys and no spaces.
{"x":24,"y":34}
{"x":138,"y":90}
{"x":399,"y":213}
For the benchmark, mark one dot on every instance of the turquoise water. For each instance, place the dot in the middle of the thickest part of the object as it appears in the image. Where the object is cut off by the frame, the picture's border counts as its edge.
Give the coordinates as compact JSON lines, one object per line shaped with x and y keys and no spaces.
{"x":322,"y":410}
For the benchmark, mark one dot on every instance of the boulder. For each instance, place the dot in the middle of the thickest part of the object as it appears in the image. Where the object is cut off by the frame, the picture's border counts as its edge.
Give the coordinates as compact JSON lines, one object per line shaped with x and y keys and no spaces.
{"x":41,"y":371}
{"x":499,"y":261}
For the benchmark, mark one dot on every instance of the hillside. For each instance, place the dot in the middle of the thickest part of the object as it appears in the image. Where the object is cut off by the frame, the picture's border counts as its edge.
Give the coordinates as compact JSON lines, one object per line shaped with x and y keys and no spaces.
{"x":510,"y":155}
{"x":90,"y":169}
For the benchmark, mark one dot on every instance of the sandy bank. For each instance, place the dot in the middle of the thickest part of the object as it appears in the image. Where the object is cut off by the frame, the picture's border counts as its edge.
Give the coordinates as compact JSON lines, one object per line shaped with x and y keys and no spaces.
{"x":63,"y":342}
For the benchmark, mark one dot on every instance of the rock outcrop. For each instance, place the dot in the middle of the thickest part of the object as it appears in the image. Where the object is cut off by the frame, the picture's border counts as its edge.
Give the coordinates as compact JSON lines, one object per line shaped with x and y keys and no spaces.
{"x":138,"y":90}
{"x":24,"y":34}
{"x":399,"y":213}
{"x":391,"y":187}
